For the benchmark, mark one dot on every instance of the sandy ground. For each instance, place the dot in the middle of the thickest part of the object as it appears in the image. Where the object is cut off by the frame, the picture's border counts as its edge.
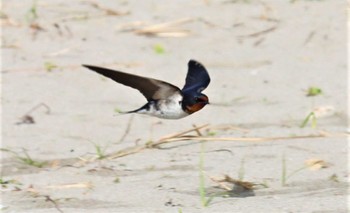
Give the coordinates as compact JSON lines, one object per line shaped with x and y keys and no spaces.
{"x":262,"y":56}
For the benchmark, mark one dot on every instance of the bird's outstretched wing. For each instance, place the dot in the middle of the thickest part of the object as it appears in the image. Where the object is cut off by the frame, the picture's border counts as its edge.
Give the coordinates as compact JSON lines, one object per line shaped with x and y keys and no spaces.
{"x":152,"y":89}
{"x":197,"y":78}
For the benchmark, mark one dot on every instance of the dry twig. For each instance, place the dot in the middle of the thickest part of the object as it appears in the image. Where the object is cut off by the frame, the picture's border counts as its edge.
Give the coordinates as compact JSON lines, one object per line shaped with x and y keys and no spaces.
{"x":28,"y":119}
{"x":87,"y":185}
{"x":127,"y":130}
{"x":108,"y":11}
{"x":48,"y":198}
{"x":256,"y":34}
{"x":183,"y":136}
{"x":167,"y":29}
{"x":227,"y":179}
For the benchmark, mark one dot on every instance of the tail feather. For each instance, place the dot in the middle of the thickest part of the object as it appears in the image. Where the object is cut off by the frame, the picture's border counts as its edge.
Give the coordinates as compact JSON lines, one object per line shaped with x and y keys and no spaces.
{"x":126,"y":112}
{"x":132,"y":111}
{"x":144,"y":107}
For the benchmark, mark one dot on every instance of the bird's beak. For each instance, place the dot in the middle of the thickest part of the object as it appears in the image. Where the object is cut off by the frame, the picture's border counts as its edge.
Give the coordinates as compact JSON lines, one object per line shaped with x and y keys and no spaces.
{"x":204,"y":99}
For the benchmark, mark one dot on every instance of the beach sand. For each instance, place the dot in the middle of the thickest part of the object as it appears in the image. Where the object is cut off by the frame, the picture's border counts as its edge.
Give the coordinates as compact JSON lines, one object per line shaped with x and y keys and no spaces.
{"x":74,"y":153}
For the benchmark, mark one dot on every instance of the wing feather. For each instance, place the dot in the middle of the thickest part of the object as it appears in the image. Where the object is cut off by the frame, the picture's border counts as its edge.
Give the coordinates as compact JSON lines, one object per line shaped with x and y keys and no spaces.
{"x":197,"y":78}
{"x":152,"y":89}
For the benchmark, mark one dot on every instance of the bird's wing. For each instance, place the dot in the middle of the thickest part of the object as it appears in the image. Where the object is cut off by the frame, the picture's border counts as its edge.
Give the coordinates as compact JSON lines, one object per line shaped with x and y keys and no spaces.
{"x":151,"y":88}
{"x":197,"y":78}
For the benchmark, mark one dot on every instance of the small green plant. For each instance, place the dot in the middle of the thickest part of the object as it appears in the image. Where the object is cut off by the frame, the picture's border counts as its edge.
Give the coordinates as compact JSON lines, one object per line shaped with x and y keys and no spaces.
{"x":159,"y":49}
{"x":116,"y":180}
{"x":239,"y":99}
{"x":334,"y":178}
{"x":241,"y":170}
{"x":265,"y":184}
{"x":49,"y":66}
{"x":117,"y":110}
{"x":284,"y":171}
{"x":100,"y":152}
{"x":202,"y":192}
{"x":149,"y":143}
{"x":26,"y":159}
{"x":286,"y":176}
{"x":313,"y":91}
{"x":311,"y":116}
{"x":5,"y":183}
{"x":32,"y":13}
{"x":211,"y":133}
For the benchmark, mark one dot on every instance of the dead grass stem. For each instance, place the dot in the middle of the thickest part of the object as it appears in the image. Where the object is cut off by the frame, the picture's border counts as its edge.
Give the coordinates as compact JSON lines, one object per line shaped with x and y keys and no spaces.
{"x":185,"y":136}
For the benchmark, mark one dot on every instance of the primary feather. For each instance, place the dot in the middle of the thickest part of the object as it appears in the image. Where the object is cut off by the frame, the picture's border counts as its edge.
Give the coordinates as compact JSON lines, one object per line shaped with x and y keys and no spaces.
{"x":197,"y":78}
{"x":152,"y":89}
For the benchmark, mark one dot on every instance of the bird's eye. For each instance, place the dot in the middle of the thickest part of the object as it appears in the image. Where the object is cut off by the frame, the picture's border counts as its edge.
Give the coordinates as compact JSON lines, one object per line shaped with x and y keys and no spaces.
{"x":198,"y":99}
{"x":201,"y":99}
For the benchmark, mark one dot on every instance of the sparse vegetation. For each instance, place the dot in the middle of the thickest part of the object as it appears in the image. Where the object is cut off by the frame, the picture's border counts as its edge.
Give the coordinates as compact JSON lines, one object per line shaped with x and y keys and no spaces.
{"x":241,"y":170}
{"x":202,"y":191}
{"x":116,"y":180}
{"x":32,"y":13}
{"x":4,"y":183}
{"x":310,"y":164}
{"x":49,"y":66}
{"x":311,"y":116}
{"x":100,"y":152}
{"x":313,"y":91}
{"x":159,"y":49}
{"x":117,"y":110}
{"x":25,"y":158}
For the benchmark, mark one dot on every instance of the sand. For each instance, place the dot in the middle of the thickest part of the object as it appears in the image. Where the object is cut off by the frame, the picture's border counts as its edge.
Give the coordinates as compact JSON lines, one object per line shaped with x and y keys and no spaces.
{"x":263,"y":57}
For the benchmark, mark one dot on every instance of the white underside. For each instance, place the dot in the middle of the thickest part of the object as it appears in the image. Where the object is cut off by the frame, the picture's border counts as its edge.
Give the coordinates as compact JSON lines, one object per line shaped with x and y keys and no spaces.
{"x":167,"y":109}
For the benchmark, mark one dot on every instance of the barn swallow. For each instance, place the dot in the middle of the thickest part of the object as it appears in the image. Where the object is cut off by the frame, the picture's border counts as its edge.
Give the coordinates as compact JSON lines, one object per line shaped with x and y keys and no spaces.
{"x":164,"y":99}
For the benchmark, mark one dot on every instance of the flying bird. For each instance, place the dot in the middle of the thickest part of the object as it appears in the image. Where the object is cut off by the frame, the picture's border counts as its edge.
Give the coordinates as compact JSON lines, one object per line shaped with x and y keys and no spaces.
{"x":165,"y":100}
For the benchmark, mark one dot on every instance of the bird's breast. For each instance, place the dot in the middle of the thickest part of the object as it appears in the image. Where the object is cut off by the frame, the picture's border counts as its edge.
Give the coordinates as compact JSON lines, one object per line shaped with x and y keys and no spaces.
{"x":170,"y":108}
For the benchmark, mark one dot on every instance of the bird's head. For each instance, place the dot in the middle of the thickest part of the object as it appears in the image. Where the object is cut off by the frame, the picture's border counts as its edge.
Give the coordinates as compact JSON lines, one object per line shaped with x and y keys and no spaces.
{"x":194,"y":103}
